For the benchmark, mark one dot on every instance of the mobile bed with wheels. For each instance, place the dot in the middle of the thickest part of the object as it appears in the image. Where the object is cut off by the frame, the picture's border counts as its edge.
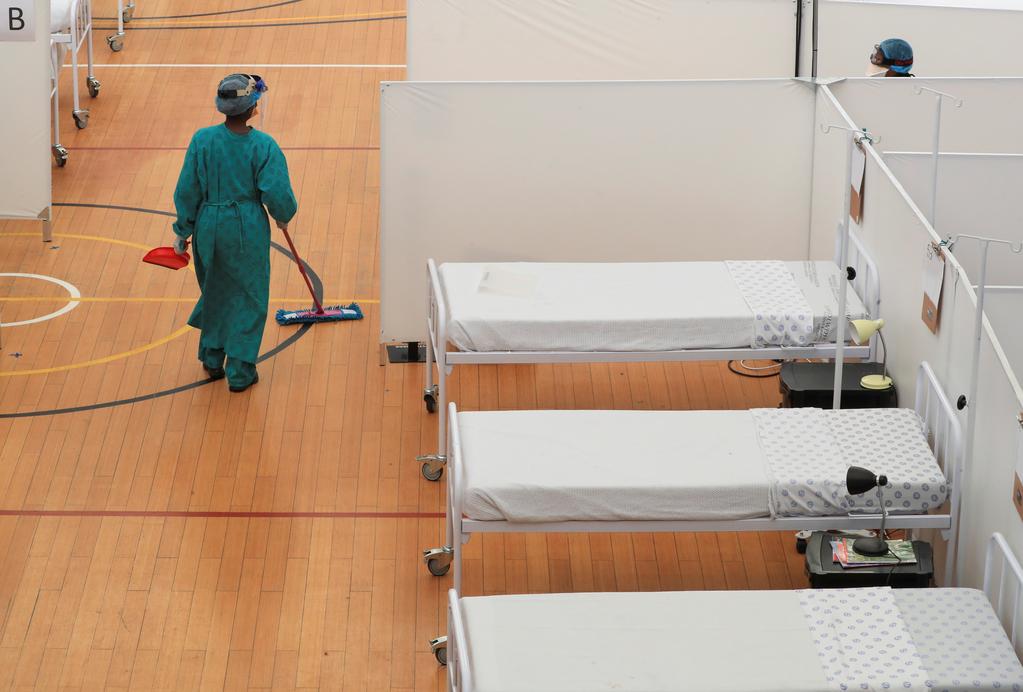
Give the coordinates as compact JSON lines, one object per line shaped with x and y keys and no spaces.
{"x":633,"y":312}
{"x":70,"y":32}
{"x":759,"y":470}
{"x":923,"y":640}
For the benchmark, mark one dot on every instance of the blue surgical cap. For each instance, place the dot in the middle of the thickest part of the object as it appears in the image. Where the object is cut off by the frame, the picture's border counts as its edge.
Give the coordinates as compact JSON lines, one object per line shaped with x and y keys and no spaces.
{"x":238,"y":104}
{"x":898,"y":54}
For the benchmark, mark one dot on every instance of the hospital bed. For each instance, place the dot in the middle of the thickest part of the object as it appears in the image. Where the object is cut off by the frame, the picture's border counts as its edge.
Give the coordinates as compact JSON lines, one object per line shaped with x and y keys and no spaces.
{"x":657,"y":471}
{"x":633,"y":312}
{"x":949,"y":639}
{"x":70,"y":31}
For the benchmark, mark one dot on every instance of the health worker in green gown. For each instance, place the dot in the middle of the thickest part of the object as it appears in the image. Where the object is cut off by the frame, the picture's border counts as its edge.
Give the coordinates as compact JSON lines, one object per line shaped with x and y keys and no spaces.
{"x":232,"y":176}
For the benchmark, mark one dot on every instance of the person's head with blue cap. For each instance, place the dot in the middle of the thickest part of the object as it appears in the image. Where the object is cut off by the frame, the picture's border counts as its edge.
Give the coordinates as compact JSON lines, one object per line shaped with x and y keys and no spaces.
{"x":237,"y":95}
{"x":893,"y":57}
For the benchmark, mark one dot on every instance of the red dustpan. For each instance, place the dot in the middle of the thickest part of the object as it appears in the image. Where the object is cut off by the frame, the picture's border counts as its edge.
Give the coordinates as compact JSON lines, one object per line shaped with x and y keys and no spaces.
{"x":166,"y":257}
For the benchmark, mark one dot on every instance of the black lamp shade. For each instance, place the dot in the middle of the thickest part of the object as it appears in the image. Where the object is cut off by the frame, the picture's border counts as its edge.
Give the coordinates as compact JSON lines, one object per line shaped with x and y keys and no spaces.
{"x":860,"y":480}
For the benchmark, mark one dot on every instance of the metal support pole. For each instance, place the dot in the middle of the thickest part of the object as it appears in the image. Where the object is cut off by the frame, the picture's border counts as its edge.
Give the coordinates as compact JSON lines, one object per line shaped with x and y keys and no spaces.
{"x":853,"y":137}
{"x":978,"y":339}
{"x":843,"y":255}
{"x":936,"y":142}
{"x":813,"y":64}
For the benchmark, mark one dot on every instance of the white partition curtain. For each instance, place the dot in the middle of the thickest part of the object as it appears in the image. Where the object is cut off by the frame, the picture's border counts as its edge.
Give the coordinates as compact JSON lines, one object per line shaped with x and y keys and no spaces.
{"x":25,"y":121}
{"x":965,"y":39}
{"x":599,"y":39}
{"x":587,"y":171}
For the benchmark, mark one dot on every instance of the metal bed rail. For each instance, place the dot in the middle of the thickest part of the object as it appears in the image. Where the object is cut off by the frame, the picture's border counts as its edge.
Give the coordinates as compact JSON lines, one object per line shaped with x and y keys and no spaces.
{"x":1009,"y":566}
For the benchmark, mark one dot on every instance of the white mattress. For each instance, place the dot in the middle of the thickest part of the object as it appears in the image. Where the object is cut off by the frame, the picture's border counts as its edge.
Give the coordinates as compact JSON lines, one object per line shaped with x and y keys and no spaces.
{"x":739,"y":641}
{"x":540,"y":466}
{"x":60,"y":16}
{"x":648,"y":306}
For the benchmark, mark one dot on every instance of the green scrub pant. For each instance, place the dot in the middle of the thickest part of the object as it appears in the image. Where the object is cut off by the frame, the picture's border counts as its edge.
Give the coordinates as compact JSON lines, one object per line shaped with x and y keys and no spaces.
{"x":239,"y":373}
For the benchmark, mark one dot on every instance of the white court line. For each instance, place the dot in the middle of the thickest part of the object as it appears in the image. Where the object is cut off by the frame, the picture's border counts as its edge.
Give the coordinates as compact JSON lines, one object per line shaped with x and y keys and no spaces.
{"x":231,"y":66}
{"x":72,"y":301}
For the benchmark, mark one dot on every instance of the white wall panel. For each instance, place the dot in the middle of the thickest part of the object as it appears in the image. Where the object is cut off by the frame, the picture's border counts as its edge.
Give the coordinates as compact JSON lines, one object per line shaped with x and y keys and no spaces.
{"x":587,"y":171}
{"x":25,"y":120}
{"x":599,"y":39}
{"x":949,"y":39}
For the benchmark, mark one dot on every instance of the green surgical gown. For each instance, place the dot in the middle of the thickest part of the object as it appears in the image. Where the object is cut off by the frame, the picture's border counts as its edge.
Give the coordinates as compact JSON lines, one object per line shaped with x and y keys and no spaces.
{"x":227,"y":184}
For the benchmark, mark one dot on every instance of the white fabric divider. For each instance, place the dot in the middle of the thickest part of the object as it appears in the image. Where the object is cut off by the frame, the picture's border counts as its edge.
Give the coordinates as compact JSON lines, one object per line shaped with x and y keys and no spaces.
{"x":599,"y":39}
{"x":587,"y":171}
{"x":988,"y":122}
{"x":950,"y":38}
{"x":896,"y":233}
{"x":25,"y":121}
{"x":977,"y":194}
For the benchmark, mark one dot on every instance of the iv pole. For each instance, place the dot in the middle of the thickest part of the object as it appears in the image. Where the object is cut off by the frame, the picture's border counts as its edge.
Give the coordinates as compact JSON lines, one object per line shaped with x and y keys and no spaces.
{"x":958,"y":103}
{"x":853,"y":137}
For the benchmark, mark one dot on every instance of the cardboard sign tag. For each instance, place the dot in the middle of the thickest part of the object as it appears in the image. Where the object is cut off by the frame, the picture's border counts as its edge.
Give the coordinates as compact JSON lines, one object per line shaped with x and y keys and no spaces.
{"x":858,"y":171}
{"x":1017,"y":485}
{"x":934,"y":277}
{"x":17,"y":20}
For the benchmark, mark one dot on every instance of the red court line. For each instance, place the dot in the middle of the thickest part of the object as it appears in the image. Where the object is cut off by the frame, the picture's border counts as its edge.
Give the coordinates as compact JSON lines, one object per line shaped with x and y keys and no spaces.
{"x":184,"y":148}
{"x":215,"y":515}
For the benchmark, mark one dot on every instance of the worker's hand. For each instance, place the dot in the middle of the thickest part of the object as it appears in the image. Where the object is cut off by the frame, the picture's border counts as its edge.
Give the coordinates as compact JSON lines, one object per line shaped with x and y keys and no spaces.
{"x":180,"y":245}
{"x":282,"y":225}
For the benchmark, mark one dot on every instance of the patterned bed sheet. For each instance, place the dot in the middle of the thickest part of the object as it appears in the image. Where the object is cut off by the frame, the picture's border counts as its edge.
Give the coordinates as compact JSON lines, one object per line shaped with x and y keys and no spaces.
{"x":808,"y":451}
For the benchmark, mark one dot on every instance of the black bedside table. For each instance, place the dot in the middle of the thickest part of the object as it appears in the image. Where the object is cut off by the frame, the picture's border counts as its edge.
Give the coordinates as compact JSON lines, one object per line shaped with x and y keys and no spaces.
{"x":811,"y":384}
{"x":825,"y":573}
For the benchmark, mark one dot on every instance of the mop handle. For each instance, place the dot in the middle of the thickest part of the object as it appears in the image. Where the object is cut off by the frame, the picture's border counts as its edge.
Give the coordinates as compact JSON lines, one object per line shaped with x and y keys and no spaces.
{"x":298,"y":261}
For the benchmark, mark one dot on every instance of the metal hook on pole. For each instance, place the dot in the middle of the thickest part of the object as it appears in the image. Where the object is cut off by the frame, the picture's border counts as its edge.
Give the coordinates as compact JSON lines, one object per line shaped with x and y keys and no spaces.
{"x":861,"y":135}
{"x":957,"y":102}
{"x":853,"y":137}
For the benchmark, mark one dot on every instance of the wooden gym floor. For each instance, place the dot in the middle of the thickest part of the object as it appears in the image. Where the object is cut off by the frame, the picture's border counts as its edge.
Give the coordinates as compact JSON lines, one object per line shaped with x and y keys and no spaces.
{"x":159,"y":533}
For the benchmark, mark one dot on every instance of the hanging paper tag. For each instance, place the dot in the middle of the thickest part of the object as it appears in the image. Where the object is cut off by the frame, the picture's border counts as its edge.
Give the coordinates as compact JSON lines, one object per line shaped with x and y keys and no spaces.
{"x":934,"y":276}
{"x":858,"y":165}
{"x":1017,"y":485}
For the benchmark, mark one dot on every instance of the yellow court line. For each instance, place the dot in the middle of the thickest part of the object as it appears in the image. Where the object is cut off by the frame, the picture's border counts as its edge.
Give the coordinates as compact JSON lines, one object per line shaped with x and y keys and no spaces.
{"x":100,"y":361}
{"x":112,"y":241}
{"x":278,"y":20}
{"x":157,"y":299}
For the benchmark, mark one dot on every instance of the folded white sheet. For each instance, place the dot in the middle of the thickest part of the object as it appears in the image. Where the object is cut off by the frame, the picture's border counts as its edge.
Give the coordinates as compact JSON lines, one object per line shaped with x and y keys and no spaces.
{"x":612,"y":465}
{"x":536,"y":466}
{"x":647,"y":306}
{"x":697,"y":641}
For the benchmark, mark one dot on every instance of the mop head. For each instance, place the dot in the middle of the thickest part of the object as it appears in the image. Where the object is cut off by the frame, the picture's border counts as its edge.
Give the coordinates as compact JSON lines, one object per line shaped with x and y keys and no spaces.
{"x":332,"y":313}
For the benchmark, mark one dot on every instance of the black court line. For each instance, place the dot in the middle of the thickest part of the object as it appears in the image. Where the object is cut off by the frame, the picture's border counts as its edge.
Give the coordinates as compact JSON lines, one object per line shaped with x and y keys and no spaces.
{"x":204,"y":14}
{"x":313,"y":276}
{"x":255,"y":26}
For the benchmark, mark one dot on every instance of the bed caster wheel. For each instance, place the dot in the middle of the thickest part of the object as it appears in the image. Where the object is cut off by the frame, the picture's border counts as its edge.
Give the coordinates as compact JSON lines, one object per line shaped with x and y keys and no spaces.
{"x":116,"y":43}
{"x":801,"y":540}
{"x":432,"y":473}
{"x":59,"y":155}
{"x":439,"y":647}
{"x":81,"y":119}
{"x":433,"y":466}
{"x":94,"y":86}
{"x":430,"y":397}
{"x":128,"y":13}
{"x":438,"y":560}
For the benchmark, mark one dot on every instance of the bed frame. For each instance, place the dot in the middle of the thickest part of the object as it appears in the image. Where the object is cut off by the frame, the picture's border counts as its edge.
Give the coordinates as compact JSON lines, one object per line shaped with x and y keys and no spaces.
{"x":79,"y":34}
{"x":460,"y":674}
{"x":860,"y":268}
{"x":944,"y":435}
